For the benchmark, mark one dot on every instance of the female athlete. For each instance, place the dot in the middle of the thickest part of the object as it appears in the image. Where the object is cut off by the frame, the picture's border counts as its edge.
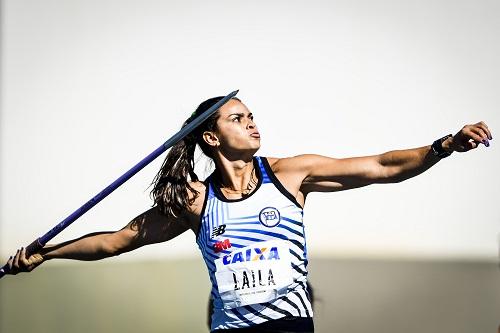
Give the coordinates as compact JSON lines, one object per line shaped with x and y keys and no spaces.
{"x":247,"y":215}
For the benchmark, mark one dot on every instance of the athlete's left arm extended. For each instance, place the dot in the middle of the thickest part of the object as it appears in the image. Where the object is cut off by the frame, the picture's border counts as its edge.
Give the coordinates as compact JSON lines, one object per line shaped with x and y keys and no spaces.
{"x":324,"y":174}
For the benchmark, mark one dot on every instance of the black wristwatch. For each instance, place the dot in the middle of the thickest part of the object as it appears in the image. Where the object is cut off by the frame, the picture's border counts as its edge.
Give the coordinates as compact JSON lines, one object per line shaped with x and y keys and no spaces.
{"x":437,"y":147}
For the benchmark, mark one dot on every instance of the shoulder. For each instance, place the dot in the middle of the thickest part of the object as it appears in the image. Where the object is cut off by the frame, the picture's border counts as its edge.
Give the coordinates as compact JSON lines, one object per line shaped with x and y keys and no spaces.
{"x":298,"y":163}
{"x":198,"y":186}
{"x":291,"y":173}
{"x":292,"y":170}
{"x":192,"y":214}
{"x":198,"y":197}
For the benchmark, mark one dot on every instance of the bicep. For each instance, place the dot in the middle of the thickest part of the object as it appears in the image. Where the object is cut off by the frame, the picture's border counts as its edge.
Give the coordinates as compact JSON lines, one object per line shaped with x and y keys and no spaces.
{"x":149,"y":227}
{"x":326,"y":174}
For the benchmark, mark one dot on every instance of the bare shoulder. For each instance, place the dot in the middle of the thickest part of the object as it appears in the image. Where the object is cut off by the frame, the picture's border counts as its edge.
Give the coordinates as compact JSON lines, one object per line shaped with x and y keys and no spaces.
{"x":295,"y":171}
{"x":290,"y":172}
{"x":199,"y":197}
{"x":299,"y":163}
{"x":198,"y":186}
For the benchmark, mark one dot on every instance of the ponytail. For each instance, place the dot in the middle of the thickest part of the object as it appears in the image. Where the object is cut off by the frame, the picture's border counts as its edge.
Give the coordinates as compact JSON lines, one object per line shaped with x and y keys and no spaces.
{"x":172,"y":183}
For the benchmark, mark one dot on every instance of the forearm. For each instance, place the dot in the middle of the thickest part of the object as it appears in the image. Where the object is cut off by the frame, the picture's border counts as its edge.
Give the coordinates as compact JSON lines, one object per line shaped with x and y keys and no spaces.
{"x":89,"y":247}
{"x":148,"y":228}
{"x":403,"y":164}
{"x":400,"y":165}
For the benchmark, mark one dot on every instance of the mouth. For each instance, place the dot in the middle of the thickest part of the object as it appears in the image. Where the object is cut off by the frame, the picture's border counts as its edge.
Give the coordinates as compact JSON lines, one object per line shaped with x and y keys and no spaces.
{"x":255,"y":135}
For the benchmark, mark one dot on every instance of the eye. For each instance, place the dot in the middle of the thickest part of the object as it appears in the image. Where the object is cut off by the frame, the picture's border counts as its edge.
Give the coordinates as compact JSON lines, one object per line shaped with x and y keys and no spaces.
{"x":237,"y":118}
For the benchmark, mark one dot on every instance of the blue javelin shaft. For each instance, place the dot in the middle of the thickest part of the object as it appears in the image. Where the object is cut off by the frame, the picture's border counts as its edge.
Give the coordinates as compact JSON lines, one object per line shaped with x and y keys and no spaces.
{"x":39,"y":243}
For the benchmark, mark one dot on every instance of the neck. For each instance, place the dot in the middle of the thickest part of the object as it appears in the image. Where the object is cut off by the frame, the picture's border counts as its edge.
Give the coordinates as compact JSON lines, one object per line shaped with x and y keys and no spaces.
{"x":235,"y":174}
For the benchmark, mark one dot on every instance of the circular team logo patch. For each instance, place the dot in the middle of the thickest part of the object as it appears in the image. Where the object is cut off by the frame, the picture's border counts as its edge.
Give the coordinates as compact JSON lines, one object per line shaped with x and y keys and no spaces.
{"x":270,"y":217}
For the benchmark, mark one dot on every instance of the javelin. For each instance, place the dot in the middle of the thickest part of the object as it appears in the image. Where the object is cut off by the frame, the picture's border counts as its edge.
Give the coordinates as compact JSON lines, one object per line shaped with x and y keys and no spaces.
{"x":39,"y":243}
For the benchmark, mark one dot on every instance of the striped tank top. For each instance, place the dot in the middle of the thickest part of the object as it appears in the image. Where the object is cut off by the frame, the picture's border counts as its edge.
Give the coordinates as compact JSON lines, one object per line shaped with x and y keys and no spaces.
{"x":255,"y":252}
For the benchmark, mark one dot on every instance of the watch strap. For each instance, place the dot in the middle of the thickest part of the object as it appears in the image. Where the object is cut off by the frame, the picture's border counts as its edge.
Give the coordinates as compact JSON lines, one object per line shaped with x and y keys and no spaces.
{"x":437,"y":147}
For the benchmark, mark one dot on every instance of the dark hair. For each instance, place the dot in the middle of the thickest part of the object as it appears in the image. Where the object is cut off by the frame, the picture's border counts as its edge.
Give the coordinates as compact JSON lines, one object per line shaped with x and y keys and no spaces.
{"x":171,"y":183}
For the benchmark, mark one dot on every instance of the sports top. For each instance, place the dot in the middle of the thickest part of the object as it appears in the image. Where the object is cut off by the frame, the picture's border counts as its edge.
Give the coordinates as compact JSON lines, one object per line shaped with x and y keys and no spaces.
{"x":255,"y":251}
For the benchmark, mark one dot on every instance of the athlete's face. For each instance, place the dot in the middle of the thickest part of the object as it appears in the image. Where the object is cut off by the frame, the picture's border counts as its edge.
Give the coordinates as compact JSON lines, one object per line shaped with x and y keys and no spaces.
{"x":236,"y":129}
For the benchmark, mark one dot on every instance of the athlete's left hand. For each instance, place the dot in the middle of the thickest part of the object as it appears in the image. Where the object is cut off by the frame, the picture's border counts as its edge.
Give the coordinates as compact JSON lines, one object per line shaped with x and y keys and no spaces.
{"x":468,"y":138}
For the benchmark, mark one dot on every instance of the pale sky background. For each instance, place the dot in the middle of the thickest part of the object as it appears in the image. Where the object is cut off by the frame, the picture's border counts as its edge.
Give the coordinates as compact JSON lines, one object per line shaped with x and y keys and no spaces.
{"x":91,"y":87}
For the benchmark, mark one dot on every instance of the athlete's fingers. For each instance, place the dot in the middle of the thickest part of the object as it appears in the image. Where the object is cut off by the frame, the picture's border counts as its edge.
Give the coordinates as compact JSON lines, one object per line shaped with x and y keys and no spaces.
{"x":10,"y":262}
{"x":479,"y":131}
{"x":486,"y":129}
{"x":16,"y":261}
{"x":23,"y":259}
{"x":482,"y":123}
{"x":469,"y":134}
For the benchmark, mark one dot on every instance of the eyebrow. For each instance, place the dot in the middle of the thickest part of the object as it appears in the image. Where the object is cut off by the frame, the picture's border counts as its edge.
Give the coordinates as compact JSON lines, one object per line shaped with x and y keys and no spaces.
{"x":241,"y":114}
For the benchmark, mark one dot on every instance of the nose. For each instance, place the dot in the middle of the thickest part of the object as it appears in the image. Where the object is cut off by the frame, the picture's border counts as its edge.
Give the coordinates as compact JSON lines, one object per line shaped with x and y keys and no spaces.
{"x":251,"y":124}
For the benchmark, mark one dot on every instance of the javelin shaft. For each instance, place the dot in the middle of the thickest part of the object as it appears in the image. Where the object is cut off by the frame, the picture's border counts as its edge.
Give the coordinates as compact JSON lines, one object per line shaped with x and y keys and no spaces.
{"x":39,"y":243}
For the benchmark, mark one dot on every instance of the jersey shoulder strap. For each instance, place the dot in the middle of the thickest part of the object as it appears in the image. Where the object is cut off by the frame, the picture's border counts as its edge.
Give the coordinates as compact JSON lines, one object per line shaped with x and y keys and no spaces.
{"x":264,"y":171}
{"x":268,"y":176}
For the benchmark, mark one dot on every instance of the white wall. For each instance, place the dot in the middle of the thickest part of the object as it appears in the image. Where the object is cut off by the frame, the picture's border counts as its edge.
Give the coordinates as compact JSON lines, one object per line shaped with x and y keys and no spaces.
{"x":90,"y":87}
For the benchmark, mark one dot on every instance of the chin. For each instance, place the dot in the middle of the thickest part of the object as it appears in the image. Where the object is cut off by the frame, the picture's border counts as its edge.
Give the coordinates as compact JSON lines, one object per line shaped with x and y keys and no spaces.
{"x":253,"y":150}
{"x":256,"y":145}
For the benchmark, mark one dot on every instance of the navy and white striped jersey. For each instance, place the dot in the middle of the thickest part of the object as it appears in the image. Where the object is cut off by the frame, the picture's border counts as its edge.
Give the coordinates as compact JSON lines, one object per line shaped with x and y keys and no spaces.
{"x":255,"y":252}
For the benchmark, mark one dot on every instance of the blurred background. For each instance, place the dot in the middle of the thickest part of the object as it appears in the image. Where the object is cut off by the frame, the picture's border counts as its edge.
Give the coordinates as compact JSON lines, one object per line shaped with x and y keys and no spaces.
{"x":88,"y":88}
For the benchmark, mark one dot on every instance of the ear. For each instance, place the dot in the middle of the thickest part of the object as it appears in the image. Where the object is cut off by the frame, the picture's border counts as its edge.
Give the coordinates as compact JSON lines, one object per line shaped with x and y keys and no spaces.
{"x":211,"y":139}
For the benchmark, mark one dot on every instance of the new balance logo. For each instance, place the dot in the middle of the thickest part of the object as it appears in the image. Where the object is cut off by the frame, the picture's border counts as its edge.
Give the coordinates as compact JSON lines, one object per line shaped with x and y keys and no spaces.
{"x":218,"y":230}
